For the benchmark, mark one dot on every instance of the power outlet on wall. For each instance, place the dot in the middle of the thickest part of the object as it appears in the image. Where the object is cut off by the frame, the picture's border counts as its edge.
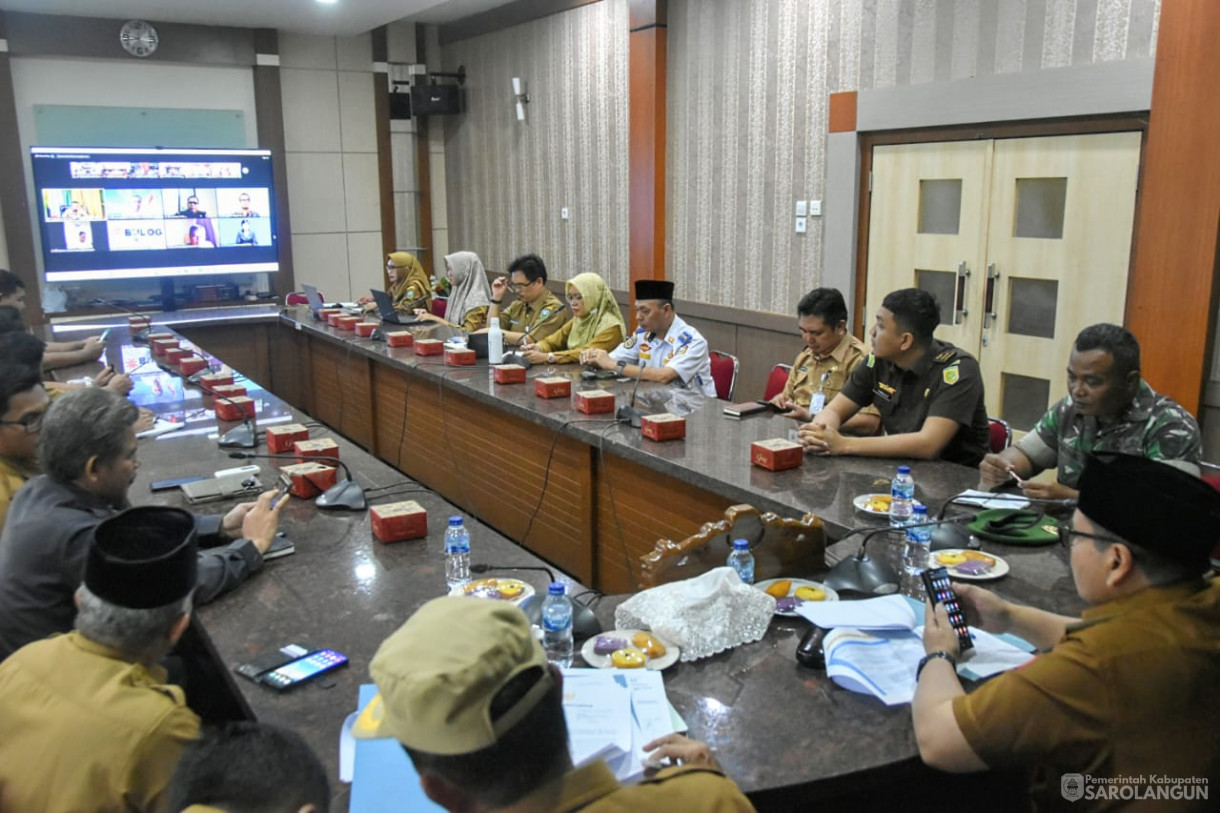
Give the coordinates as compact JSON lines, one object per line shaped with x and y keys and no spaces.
{"x":563,"y":213}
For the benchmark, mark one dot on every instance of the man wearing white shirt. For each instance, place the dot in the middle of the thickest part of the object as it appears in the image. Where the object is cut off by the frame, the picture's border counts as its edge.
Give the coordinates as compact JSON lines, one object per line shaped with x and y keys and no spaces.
{"x":664,"y":348}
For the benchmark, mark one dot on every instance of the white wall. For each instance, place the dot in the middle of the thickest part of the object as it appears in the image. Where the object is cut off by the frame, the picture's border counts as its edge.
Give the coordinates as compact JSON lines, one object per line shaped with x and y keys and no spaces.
{"x":330,"y":143}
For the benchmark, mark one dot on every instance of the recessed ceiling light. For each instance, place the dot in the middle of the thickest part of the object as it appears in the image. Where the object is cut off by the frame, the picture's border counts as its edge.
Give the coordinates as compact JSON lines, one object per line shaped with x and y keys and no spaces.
{"x":328,"y":2}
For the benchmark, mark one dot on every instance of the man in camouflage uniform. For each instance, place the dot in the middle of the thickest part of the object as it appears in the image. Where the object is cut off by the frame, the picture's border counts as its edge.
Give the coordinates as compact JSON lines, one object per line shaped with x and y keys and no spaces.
{"x":1108,"y":408}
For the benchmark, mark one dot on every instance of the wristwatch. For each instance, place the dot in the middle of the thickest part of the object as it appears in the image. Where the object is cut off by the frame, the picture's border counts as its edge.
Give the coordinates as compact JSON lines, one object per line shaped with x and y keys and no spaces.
{"x":550,"y":358}
{"x":940,"y":653}
{"x":622,"y":365}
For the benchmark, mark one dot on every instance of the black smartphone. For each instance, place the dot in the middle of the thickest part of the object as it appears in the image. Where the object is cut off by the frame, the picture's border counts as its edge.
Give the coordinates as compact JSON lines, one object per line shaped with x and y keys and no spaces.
{"x":282,"y":485}
{"x":940,"y":591}
{"x":770,"y":406}
{"x":294,"y":673}
{"x":166,"y":485}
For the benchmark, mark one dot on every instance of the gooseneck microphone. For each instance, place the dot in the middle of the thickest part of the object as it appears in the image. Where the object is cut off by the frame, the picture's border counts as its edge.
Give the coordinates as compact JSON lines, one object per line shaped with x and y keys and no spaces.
{"x":137,"y":336}
{"x":346,"y":493}
{"x":862,"y":574}
{"x":628,"y":413}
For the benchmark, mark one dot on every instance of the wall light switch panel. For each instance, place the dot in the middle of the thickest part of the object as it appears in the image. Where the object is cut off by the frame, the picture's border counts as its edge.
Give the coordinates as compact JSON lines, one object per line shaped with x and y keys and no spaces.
{"x":801,"y":211}
{"x":800,"y":225}
{"x":563,"y":213}
{"x":815,"y":208}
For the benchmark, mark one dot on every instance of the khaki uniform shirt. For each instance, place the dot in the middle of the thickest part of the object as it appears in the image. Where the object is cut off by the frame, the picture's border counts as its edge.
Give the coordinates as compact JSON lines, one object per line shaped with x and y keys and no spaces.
{"x":807,"y":372}
{"x":84,"y":729}
{"x":594,"y":789}
{"x":474,"y":319}
{"x":945,"y":383}
{"x":1128,"y":692}
{"x":12,"y":478}
{"x":557,"y":343}
{"x":1152,"y":425}
{"x":538,"y":320}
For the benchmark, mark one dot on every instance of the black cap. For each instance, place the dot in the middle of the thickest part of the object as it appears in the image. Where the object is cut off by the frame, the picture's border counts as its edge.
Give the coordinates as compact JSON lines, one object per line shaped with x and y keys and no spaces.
{"x":143,"y":558}
{"x":654,"y":289}
{"x":1154,"y":505}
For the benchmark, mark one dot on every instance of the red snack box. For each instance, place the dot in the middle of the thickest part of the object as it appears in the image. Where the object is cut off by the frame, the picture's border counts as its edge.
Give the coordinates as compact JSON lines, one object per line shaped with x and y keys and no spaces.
{"x":459,"y":357}
{"x":234,"y":409}
{"x":138,"y":323}
{"x":664,"y":426}
{"x":429,"y":347}
{"x":777,"y":454}
{"x":175,"y":354}
{"x":552,"y":387}
{"x":160,"y":337}
{"x":162,"y":346}
{"x":280,"y":438}
{"x":508,"y":374}
{"x":397,"y":521}
{"x":332,"y":319}
{"x":347,"y":322}
{"x":323,"y":447}
{"x":595,"y":402}
{"x":189,"y":365}
{"x":400,"y":338}
{"x":210,"y":381}
{"x":365,"y":329}
{"x":228,"y":391}
{"x":309,"y":479}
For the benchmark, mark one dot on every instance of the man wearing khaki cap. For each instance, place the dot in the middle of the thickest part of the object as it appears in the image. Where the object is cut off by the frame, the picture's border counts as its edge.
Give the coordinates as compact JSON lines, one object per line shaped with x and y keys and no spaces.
{"x":468,"y":692}
{"x":88,"y":720}
{"x":1125,"y":693}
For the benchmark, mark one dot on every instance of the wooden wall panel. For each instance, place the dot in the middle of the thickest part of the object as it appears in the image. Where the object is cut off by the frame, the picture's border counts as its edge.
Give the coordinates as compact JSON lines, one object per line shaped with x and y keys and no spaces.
{"x":342,"y":391}
{"x":646,"y":138}
{"x":635,"y":508}
{"x":245,"y":349}
{"x":1171,"y":294}
{"x":288,"y":352}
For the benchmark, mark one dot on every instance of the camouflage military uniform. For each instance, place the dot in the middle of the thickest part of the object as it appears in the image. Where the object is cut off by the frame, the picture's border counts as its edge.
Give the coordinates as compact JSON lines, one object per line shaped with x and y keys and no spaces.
{"x":1153,"y":425}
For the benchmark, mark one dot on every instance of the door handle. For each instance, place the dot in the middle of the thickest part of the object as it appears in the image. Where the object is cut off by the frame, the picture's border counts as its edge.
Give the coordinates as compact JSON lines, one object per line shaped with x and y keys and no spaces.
{"x":959,"y":295}
{"x":989,"y":314}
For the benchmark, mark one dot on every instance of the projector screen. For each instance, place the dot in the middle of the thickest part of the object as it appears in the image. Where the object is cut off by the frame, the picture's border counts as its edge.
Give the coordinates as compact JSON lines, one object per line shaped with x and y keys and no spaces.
{"x":109,"y":213}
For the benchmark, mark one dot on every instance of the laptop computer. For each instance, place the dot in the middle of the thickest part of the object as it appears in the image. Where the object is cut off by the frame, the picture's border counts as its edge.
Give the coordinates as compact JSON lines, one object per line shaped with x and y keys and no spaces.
{"x":314,"y":299}
{"x":385,"y":308}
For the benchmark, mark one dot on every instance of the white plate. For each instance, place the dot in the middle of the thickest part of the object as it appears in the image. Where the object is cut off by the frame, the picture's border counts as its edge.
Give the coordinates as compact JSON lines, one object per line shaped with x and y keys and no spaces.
{"x":861,"y":504}
{"x":467,"y":589}
{"x":1000,"y":569}
{"x":603,"y":661}
{"x":831,"y":595}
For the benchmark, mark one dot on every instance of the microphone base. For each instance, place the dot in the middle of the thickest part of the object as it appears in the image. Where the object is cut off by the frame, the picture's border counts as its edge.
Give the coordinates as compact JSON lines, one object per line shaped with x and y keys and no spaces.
{"x":630,"y":415}
{"x":241,"y":437}
{"x":345,"y":494}
{"x":141,"y":335}
{"x":862,"y":575}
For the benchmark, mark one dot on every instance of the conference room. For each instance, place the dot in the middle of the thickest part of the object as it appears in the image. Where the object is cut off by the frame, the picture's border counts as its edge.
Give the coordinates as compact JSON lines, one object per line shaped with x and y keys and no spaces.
{"x":1032,"y":169}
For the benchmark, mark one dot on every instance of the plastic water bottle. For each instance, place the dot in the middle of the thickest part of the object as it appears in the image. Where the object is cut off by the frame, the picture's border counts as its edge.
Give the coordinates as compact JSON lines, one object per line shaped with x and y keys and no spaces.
{"x":915,"y":555}
{"x":457,"y":553}
{"x":818,"y":401}
{"x":902,"y":497}
{"x":495,"y":342}
{"x":557,"y":625}
{"x":742,"y":560}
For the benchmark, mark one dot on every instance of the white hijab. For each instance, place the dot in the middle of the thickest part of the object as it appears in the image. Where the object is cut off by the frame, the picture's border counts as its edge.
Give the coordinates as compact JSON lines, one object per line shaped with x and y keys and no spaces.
{"x":470,"y":287}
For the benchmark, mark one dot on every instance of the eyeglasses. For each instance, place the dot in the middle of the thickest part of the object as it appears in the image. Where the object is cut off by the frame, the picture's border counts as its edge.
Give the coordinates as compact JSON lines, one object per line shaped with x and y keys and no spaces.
{"x":518,"y":287}
{"x":29,"y":423}
{"x":1066,"y":534}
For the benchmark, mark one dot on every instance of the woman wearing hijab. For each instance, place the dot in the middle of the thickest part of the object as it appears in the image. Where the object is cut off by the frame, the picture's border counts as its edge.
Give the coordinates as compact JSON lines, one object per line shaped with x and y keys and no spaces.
{"x":410,"y":287}
{"x":596,"y":322}
{"x":471,"y":295}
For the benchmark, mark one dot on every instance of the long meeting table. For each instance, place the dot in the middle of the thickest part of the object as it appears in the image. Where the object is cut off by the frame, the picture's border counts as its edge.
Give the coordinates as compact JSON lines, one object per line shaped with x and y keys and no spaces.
{"x":539,"y":484}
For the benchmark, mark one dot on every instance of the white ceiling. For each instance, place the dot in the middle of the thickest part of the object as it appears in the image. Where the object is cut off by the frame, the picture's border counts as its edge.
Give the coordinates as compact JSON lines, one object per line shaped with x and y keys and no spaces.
{"x":343,"y":18}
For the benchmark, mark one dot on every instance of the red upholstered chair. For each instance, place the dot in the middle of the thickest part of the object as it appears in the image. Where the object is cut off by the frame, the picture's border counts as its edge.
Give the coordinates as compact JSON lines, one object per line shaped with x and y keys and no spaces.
{"x":296,"y":298}
{"x":439,"y":306}
{"x":999,"y":435}
{"x":777,"y":380}
{"x":724,"y":373}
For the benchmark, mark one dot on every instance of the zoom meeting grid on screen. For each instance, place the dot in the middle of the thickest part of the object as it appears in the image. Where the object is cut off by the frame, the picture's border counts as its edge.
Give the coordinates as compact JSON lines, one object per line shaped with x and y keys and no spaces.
{"x":121,"y":214}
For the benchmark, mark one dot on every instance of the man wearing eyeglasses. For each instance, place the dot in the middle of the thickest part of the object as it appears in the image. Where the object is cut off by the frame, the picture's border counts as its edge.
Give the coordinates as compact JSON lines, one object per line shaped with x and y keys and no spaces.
{"x":537,"y":313}
{"x":192,"y":209}
{"x":23,"y":401}
{"x":1128,"y":690}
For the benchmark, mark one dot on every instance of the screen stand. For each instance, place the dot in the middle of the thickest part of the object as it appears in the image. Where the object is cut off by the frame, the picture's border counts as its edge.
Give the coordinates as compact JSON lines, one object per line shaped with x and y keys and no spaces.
{"x":168,"y":302}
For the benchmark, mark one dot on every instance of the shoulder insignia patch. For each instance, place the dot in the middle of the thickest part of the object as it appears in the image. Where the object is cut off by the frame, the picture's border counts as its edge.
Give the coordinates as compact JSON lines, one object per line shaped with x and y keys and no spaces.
{"x":872,"y":360}
{"x":545,"y":313}
{"x":630,"y":343}
{"x":685,"y":338}
{"x":945,"y":356}
{"x":950,"y":375}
